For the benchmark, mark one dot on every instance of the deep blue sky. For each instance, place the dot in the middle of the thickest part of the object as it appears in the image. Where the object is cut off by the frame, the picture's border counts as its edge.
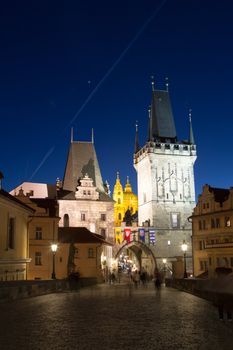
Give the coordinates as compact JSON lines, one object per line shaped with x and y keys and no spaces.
{"x":54,"y":53}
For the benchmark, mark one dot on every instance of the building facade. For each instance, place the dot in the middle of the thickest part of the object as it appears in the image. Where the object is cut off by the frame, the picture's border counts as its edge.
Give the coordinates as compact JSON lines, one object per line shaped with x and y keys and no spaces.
{"x":42,"y":228}
{"x":165,"y":178}
{"x":14,"y":250}
{"x":212,"y":224}
{"x":84,"y":200}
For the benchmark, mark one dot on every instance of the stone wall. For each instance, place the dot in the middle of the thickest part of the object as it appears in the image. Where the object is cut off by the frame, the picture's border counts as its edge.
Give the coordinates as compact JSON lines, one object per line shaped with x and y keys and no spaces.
{"x":208,"y":289}
{"x":12,"y":290}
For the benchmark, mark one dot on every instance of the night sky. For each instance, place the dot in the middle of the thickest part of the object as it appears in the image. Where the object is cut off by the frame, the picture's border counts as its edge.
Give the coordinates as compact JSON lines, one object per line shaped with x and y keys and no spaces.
{"x":89,"y":64}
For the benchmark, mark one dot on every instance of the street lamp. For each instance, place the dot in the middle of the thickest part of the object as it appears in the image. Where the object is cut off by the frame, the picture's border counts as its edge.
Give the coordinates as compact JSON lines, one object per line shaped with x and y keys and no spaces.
{"x":54,"y":249}
{"x":184,"y":247}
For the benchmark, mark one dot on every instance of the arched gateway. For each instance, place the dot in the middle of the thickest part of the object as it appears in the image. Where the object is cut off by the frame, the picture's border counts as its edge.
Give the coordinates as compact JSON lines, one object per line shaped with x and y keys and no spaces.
{"x":138,"y":254}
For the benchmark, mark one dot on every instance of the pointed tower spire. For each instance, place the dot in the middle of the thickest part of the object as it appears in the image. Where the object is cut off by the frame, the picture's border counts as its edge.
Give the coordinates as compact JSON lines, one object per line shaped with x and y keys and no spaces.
{"x":72,"y":135}
{"x":191,"y":137}
{"x":118,"y":175}
{"x":167,"y":83}
{"x":136,"y":146}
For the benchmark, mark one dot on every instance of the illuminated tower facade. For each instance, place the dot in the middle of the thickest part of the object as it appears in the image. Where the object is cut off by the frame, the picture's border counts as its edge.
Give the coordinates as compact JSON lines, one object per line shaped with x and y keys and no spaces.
{"x":165,"y":177}
{"x":124,"y":200}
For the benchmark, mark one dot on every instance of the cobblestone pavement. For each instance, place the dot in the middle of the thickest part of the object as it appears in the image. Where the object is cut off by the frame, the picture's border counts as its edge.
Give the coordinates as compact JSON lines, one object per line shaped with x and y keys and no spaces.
{"x":113,"y":317}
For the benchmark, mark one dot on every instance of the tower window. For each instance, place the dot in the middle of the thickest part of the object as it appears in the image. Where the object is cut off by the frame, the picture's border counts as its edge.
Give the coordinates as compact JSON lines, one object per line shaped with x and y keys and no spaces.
{"x":103,"y":232}
{"x":83,"y":217}
{"x":144,"y":197}
{"x":119,"y":201}
{"x":175,"y":220}
{"x":66,"y":220}
{"x":103,"y":217}
{"x":119,"y":216}
{"x":167,"y":196}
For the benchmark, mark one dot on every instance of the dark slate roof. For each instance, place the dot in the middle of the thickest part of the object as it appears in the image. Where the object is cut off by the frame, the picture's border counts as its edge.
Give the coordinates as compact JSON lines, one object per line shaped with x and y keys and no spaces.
{"x":82,"y":160}
{"x":47,"y":203}
{"x":220,"y":194}
{"x":163,"y":126}
{"x":79,"y":235}
{"x":15,"y":200}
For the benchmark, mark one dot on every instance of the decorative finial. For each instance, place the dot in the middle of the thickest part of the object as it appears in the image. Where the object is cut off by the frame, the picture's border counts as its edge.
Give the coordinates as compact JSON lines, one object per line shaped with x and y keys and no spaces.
{"x":166,"y":83}
{"x":153,"y":83}
{"x":118,"y":175}
{"x":190,"y":114}
{"x":92,"y":135}
{"x":72,"y":135}
{"x":191,"y":137}
{"x":136,"y":145}
{"x":127,"y":179}
{"x":150,"y":125}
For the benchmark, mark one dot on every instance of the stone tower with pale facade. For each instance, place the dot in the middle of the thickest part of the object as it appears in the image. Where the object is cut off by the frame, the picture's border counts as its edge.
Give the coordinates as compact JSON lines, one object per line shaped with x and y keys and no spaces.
{"x":165,"y":178}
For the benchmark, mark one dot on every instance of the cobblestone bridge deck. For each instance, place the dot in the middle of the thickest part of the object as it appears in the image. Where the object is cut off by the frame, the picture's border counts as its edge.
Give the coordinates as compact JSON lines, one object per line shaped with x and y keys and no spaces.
{"x":113,"y":317}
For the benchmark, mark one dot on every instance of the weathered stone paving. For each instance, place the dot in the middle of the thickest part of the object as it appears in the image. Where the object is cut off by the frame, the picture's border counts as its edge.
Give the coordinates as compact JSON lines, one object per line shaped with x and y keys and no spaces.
{"x":113,"y":317}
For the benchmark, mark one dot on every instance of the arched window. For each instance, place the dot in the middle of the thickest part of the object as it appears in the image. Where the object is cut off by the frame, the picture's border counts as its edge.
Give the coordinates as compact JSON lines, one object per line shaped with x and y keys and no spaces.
{"x":119,"y":216}
{"x":119,"y":201}
{"x":66,"y":220}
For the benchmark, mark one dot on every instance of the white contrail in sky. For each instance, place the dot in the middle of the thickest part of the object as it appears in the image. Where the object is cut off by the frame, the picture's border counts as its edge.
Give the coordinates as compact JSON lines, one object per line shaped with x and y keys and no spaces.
{"x":110,"y":70}
{"x":42,"y":162}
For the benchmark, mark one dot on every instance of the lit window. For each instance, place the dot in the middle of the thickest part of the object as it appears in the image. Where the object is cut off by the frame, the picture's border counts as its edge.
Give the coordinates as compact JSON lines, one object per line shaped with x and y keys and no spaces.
{"x":38,"y":233}
{"x":11,"y":233}
{"x":227,"y":221}
{"x":168,"y":242}
{"x":90,"y":253}
{"x":38,"y":258}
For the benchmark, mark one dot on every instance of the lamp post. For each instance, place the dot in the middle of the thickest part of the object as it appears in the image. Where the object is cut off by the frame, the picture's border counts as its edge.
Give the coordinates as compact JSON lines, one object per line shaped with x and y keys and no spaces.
{"x":184,"y":247}
{"x":54,"y":249}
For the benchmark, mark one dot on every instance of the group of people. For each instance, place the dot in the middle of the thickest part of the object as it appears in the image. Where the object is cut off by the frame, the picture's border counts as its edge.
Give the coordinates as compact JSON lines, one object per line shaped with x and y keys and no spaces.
{"x":139,"y":277}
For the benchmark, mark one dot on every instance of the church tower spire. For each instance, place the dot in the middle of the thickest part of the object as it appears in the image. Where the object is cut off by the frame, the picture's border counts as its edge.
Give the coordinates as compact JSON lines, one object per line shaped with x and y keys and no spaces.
{"x":191,"y":137}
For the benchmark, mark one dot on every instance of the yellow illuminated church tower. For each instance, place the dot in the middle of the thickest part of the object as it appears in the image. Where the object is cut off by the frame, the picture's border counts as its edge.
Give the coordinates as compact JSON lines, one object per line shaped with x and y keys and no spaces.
{"x":124,"y":200}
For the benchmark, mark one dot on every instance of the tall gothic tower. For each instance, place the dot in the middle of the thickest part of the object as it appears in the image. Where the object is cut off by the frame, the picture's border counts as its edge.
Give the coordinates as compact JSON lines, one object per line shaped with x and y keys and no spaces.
{"x":164,"y":165}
